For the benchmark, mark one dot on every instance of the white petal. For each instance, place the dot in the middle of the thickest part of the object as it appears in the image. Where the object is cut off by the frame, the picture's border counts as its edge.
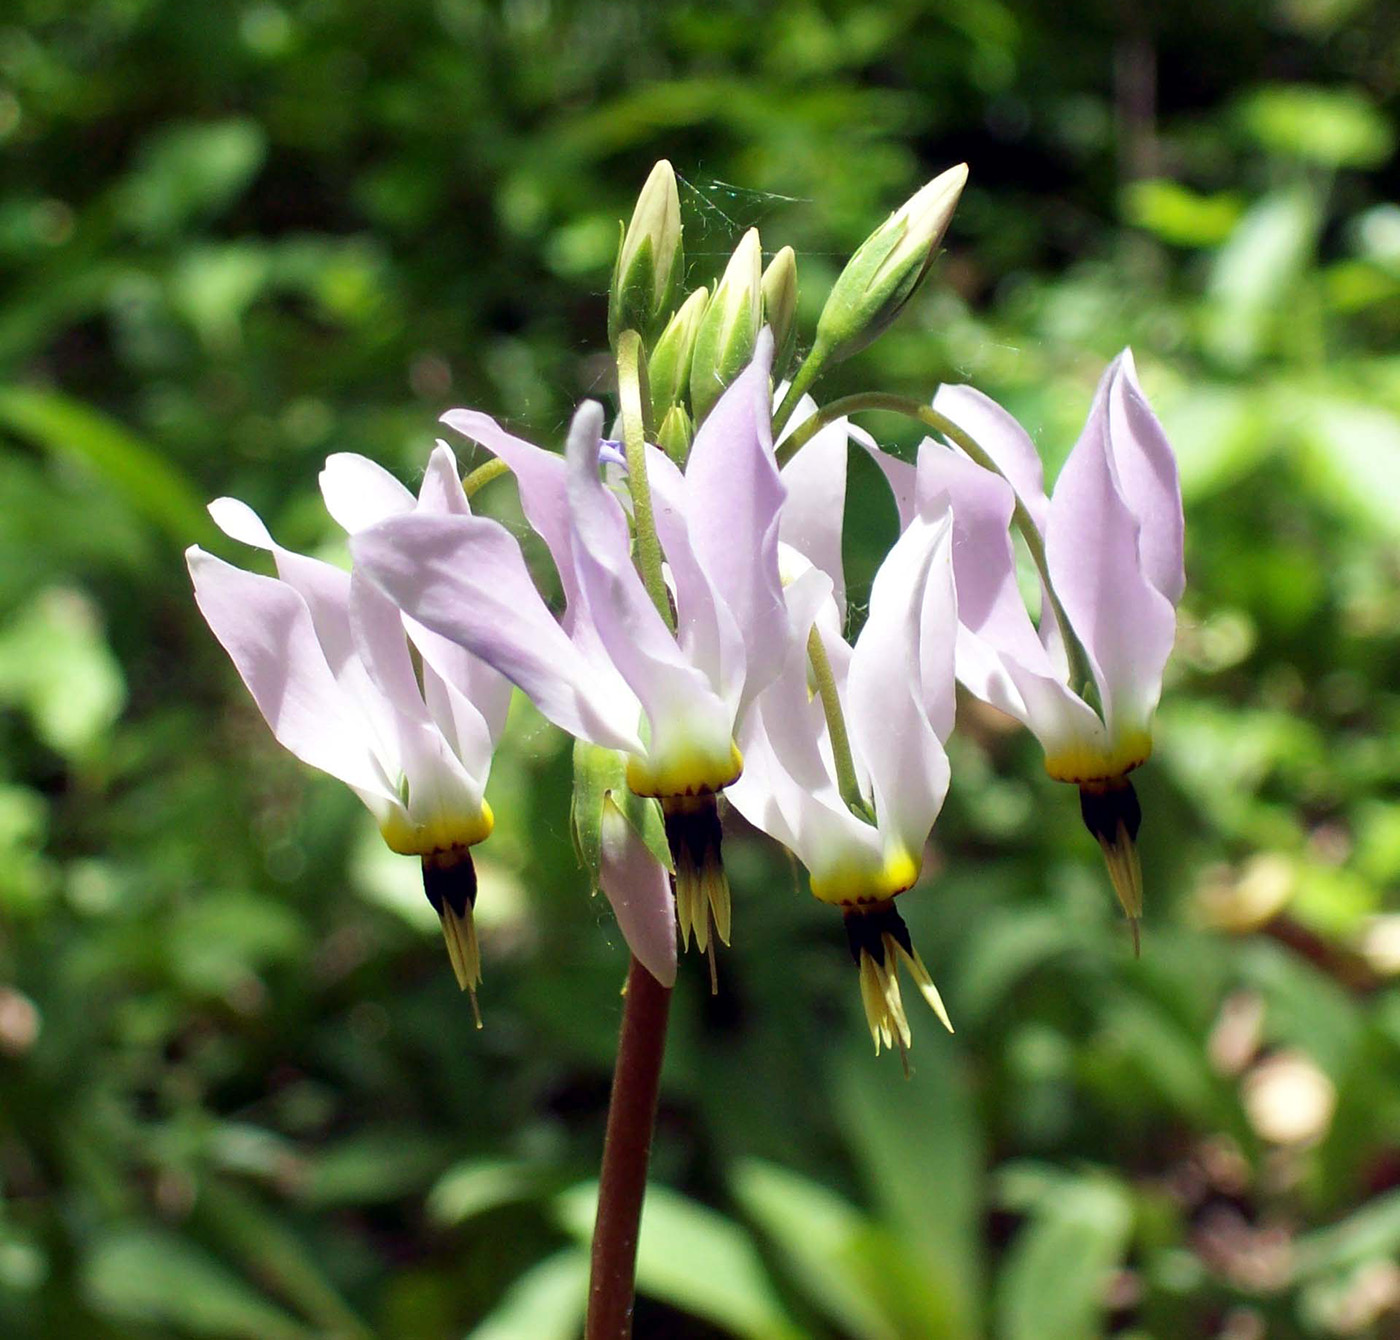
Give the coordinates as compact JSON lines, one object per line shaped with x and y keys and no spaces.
{"x":266,"y":628}
{"x":888,"y":721}
{"x":358,"y":491}
{"x":1003,"y":439}
{"x":464,"y":578}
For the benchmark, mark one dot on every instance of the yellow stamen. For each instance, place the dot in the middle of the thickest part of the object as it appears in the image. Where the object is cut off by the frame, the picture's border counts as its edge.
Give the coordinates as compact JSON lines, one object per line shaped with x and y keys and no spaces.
{"x":702,"y":888}
{"x":449,"y":880}
{"x":879,"y":942}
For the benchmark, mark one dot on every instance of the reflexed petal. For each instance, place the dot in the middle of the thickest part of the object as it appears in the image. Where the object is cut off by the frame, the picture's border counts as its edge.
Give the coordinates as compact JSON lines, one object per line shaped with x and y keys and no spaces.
{"x":708,"y":634}
{"x":465,"y":579}
{"x":734,"y":496}
{"x":1147,"y":476}
{"x":685,"y":713}
{"x":266,"y":628}
{"x":359,"y":492}
{"x":888,"y":724}
{"x":540,"y":478}
{"x":815,"y":479}
{"x":441,"y":489}
{"x":1003,"y":439}
{"x":900,"y":475}
{"x":639,"y":890}
{"x":938,"y":629}
{"x":326,"y":591}
{"x":1126,"y":624}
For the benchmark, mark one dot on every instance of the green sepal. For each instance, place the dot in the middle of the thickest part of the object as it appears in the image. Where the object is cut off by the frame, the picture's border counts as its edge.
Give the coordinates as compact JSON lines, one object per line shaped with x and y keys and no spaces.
{"x":600,"y":775}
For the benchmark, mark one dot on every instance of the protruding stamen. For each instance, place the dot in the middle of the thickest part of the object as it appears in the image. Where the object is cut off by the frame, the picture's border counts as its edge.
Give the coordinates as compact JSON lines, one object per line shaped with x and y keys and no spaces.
{"x":1112,"y":814}
{"x":702,"y":888}
{"x":879,"y":941}
{"x":449,"y":880}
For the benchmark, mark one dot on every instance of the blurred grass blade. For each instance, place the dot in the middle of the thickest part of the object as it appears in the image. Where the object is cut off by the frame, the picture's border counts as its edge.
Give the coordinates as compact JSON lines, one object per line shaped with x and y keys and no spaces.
{"x":695,"y":1259}
{"x":149,"y":1277}
{"x":1371,"y":1234}
{"x":545,"y":1303}
{"x":479,"y":1185}
{"x":271,"y":1252}
{"x":917,"y":1142}
{"x":1055,"y":1279}
{"x":825,"y":1242}
{"x":133,"y":467}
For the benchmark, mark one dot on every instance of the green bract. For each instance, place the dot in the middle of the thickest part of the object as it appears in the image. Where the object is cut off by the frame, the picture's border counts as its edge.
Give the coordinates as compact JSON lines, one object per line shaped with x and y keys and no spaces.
{"x":600,"y":778}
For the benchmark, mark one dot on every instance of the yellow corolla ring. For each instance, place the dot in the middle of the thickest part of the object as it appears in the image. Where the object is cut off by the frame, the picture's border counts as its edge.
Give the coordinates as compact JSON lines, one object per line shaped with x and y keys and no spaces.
{"x":1085,"y":763}
{"x":684,"y":773}
{"x":861,"y":885}
{"x":441,"y":834}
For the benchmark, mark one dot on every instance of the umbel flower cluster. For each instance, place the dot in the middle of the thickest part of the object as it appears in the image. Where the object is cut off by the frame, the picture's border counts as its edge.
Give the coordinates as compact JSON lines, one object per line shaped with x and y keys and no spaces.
{"x":704,"y":647}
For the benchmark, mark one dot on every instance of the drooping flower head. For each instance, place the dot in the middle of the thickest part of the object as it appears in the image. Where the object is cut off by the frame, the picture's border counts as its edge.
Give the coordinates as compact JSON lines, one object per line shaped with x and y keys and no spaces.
{"x":845,"y":750}
{"x":1087,"y":681}
{"x":611,"y":671}
{"x":327,"y":659}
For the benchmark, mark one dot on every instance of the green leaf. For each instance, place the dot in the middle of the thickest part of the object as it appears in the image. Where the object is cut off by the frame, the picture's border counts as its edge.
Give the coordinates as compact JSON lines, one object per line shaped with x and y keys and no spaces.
{"x":1056,"y":1274}
{"x":55,"y":663}
{"x":693,"y":1258}
{"x":153,"y":1278}
{"x":1256,"y":271}
{"x":824,"y":1241}
{"x":1354,"y":456}
{"x":1333,"y":127}
{"x":546,"y":1303}
{"x":373,"y":1167}
{"x":918,"y":1144}
{"x":1372,"y":1233}
{"x":479,"y":1185}
{"x":270,"y":1251}
{"x":132,"y":466}
{"x":189,"y":170}
{"x":1179,"y":215}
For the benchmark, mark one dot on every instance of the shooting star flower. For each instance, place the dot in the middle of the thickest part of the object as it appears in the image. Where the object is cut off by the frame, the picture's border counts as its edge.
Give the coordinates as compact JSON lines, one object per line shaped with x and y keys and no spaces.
{"x":1112,"y":538}
{"x":611,"y":672}
{"x":845,"y":759}
{"x":327,"y":659}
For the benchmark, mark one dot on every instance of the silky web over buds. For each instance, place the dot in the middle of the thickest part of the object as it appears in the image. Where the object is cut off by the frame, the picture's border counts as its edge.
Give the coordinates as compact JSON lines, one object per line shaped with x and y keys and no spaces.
{"x":650,"y":259}
{"x":888,"y":268}
{"x":729,"y":329}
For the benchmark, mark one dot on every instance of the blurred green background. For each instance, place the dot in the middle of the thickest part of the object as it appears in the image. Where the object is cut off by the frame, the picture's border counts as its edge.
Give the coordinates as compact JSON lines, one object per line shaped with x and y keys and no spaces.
{"x":239,"y":1093}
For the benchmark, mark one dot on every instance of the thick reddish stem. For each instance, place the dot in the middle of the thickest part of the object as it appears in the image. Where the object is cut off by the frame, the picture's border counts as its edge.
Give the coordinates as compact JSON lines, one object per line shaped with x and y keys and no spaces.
{"x":626,"y":1151}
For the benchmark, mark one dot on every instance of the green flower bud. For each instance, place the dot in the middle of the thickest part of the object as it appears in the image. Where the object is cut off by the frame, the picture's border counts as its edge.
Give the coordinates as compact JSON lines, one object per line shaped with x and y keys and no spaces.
{"x":729,"y":329}
{"x":600,"y":777}
{"x":668,"y":367}
{"x":888,"y":268}
{"x":780,"y":307}
{"x":676,"y":434}
{"x":650,"y":259}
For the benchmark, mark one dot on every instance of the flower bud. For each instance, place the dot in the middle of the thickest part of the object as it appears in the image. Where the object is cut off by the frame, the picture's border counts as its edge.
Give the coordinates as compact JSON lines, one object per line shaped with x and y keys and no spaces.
{"x":780,"y":307}
{"x":650,"y":259}
{"x":729,"y":329}
{"x":676,"y":434}
{"x":888,"y":268}
{"x":668,"y":367}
